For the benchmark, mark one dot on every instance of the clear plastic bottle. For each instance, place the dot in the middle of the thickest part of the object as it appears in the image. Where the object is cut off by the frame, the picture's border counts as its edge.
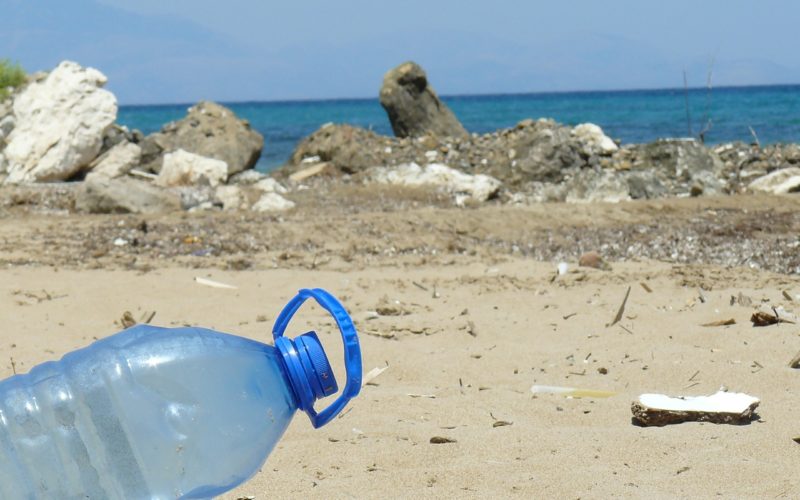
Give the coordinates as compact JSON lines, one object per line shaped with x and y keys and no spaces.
{"x":164,"y":413}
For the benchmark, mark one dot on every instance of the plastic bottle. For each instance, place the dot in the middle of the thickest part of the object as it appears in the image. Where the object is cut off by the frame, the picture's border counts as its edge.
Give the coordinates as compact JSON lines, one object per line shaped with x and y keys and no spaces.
{"x":165,"y":413}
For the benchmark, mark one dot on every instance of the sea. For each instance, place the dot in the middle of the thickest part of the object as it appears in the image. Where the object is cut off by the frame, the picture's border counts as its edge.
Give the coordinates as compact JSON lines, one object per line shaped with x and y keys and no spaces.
{"x":770,"y":114}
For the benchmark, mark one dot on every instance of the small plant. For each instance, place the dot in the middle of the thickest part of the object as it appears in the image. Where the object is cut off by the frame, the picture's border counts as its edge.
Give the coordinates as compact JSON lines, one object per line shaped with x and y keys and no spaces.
{"x":11,"y":75}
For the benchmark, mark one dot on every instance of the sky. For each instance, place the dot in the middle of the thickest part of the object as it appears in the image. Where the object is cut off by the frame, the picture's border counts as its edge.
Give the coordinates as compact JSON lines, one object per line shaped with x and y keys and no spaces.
{"x":182,"y":51}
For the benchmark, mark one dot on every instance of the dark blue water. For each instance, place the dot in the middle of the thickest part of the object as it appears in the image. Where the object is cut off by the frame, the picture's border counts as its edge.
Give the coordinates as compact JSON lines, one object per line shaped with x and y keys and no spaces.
{"x":634,"y":116}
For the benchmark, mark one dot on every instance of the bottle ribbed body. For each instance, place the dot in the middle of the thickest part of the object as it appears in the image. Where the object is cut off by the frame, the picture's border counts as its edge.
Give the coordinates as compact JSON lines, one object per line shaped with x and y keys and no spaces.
{"x":147,"y":413}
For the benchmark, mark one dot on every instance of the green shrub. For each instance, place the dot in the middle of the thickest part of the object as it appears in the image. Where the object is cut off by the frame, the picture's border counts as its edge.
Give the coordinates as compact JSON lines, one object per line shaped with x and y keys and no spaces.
{"x":11,"y":75}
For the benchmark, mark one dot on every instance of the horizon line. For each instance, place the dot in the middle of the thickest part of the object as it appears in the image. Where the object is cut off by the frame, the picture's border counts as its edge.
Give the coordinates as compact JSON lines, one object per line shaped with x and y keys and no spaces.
{"x":467,"y":95}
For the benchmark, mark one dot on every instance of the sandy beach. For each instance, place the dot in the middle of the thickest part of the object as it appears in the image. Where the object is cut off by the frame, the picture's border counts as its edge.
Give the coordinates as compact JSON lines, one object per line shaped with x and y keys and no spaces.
{"x":464,"y":308}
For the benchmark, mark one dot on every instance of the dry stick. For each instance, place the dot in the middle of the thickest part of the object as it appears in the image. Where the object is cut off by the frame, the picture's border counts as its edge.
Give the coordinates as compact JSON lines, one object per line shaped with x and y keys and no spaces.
{"x":707,"y":114}
{"x":686,"y":99}
{"x":787,"y":296}
{"x":753,"y":133}
{"x":621,"y":310}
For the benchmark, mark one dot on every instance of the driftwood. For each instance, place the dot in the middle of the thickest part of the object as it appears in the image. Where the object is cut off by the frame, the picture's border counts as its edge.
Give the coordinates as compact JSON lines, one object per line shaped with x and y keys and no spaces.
{"x":720,"y":408}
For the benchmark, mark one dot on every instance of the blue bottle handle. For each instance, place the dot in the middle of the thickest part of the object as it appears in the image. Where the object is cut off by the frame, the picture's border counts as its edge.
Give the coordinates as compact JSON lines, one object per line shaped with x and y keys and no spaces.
{"x":352,"y":351}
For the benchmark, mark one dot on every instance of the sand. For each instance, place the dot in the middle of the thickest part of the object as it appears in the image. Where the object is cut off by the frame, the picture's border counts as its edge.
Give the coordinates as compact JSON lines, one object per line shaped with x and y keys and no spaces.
{"x":465,"y":334}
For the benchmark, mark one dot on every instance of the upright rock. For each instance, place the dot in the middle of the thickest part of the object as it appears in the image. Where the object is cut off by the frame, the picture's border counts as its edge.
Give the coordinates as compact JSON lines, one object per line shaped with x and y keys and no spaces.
{"x":208,"y":130}
{"x":413,"y":107}
{"x":59,"y":126}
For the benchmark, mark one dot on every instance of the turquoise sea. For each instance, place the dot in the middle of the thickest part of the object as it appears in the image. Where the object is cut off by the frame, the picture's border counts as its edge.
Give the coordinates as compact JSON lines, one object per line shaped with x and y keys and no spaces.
{"x":633,"y":116}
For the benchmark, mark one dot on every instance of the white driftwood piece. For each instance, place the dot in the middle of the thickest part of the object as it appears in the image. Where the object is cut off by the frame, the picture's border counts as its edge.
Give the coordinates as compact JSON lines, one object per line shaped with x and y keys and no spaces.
{"x":721,"y":407}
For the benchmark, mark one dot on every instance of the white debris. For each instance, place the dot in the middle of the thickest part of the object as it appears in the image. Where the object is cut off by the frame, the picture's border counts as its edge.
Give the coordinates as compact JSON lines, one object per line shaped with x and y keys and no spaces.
{"x":475,"y":187}
{"x":213,"y":284}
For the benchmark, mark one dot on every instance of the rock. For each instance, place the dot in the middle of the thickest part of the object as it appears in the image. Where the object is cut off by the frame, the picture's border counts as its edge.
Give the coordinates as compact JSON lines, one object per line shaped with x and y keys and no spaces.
{"x":270,"y":185}
{"x":182,"y":168}
{"x":124,"y":195}
{"x":208,"y":130}
{"x":272,"y":202}
{"x":588,"y":186}
{"x":644,"y":184}
{"x":413,"y":107}
{"x":59,"y":124}
{"x":118,"y":134}
{"x":464,"y":186}
{"x":682,"y":162}
{"x":117,"y":161}
{"x":194,"y":198}
{"x":247,"y":177}
{"x":594,"y":141}
{"x":782,"y":181}
{"x":350,"y":149}
{"x":231,"y":197}
{"x":594,"y":260}
{"x":543,"y":151}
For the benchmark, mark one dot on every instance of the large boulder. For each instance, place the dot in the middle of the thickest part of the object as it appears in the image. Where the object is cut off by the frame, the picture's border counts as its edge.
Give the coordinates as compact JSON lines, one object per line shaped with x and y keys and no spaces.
{"x":413,"y":107}
{"x":182,"y":168}
{"x":208,"y":130}
{"x":349,"y":149}
{"x":59,"y":124}
{"x":124,"y":195}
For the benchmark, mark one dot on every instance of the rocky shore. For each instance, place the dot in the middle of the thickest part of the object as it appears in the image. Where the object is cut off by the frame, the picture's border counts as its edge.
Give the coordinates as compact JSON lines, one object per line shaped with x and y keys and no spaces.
{"x":58,"y":133}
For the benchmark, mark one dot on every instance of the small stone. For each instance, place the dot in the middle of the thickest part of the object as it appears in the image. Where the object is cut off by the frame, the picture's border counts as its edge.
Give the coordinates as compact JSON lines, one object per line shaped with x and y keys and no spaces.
{"x":594,"y":260}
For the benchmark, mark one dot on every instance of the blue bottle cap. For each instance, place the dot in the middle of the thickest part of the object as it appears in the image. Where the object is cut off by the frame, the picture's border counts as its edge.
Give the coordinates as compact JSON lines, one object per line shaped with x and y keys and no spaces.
{"x":307,"y":365}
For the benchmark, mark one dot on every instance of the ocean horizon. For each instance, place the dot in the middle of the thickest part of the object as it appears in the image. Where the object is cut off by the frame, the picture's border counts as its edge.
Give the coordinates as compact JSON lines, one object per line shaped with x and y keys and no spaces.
{"x":770,"y":113}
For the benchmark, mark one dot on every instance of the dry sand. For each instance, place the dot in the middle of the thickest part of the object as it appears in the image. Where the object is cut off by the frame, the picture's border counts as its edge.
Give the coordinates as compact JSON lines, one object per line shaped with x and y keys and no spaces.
{"x":467,"y":327}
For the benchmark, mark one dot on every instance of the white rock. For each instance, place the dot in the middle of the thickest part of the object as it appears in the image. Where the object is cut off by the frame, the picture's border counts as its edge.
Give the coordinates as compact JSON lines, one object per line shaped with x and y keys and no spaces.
{"x":247,"y":177}
{"x":59,"y":124}
{"x":272,"y":202}
{"x":594,"y":140}
{"x":181,"y":168}
{"x":476,"y":187}
{"x":117,"y":161}
{"x":782,"y":181}
{"x":270,"y":185}
{"x":431,"y":156}
{"x":231,"y":197}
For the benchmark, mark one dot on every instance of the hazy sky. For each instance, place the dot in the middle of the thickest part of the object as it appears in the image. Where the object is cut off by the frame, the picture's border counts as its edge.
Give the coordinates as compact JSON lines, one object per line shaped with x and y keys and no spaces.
{"x":158,"y":51}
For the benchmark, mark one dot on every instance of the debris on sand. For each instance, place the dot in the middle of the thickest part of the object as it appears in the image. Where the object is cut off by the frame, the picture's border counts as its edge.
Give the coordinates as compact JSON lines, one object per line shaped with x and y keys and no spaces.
{"x":571,"y":392}
{"x":722,"y":322}
{"x":719,"y":408}
{"x":127,"y":320}
{"x":763,"y":318}
{"x":213,"y":284}
{"x":442,"y":440}
{"x":372,"y":374}
{"x":621,"y":310}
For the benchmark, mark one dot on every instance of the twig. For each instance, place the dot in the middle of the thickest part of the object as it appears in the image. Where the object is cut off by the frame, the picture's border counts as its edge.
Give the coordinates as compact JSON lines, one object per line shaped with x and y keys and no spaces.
{"x":621,"y":310}
{"x":755,"y":136}
{"x":419,"y":286}
{"x":686,"y":99}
